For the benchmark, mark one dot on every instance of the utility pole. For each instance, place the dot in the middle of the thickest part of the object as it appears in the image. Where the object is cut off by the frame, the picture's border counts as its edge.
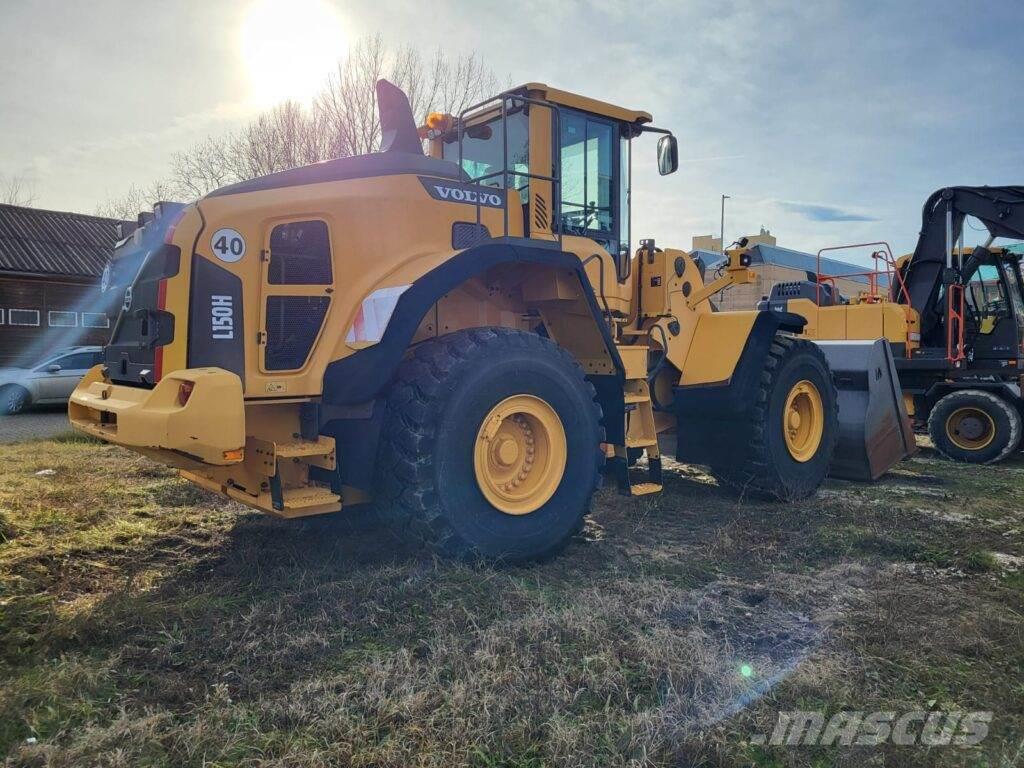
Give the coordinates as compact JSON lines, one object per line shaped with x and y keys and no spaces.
{"x":722,"y":233}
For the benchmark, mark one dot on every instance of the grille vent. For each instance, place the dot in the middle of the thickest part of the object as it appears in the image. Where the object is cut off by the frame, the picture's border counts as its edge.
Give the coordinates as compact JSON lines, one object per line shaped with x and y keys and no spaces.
{"x":293,"y":323}
{"x":466,"y":234}
{"x":540,"y":212}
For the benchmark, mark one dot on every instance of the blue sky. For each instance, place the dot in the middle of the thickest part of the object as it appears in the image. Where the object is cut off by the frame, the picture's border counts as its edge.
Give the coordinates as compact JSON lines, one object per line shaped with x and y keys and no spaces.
{"x":827,"y":122}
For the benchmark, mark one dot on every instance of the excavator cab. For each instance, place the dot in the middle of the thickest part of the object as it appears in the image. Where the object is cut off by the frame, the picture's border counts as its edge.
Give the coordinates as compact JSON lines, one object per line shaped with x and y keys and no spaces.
{"x":993,"y":305}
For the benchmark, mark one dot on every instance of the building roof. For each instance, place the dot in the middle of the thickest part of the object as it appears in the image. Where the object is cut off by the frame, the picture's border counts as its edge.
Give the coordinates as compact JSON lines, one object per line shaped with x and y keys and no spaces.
{"x":805,"y":262}
{"x":37,"y":242}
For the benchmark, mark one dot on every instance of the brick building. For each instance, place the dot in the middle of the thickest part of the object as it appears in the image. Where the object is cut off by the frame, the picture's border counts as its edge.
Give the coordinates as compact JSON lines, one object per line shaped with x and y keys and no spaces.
{"x":50,"y":268}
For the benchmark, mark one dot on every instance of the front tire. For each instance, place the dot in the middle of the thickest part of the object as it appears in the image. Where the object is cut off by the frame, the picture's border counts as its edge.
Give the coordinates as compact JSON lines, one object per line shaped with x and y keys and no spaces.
{"x":974,"y":426}
{"x":491,"y":446}
{"x":783,"y":449}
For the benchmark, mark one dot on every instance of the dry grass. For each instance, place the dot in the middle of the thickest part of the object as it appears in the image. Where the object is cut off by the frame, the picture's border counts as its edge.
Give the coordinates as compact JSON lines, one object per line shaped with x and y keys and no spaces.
{"x":143,"y":622}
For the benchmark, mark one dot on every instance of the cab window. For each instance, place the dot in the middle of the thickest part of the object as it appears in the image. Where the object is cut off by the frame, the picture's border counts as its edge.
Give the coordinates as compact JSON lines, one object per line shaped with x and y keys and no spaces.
{"x":985,"y":292}
{"x":594,"y":174}
{"x":1016,"y":291}
{"x":483,"y":151}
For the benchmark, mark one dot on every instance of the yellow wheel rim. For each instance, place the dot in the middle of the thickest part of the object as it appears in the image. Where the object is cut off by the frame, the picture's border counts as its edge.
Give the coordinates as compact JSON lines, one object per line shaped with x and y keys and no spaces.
{"x":803,"y":421}
{"x":970,"y":428}
{"x":520,"y":453}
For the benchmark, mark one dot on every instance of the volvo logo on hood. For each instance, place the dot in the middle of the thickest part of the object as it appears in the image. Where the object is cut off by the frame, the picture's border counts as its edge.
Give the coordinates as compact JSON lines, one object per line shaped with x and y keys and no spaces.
{"x":456,"y":192}
{"x":127,"y":303}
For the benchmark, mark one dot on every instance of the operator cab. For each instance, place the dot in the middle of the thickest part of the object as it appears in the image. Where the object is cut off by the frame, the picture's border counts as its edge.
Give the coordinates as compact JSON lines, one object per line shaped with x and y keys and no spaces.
{"x":568,"y":156}
{"x":993,"y":304}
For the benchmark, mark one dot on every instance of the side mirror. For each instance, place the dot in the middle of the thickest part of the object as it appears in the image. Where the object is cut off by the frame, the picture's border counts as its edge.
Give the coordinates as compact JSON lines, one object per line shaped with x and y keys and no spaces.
{"x":53,"y":368}
{"x":668,"y":154}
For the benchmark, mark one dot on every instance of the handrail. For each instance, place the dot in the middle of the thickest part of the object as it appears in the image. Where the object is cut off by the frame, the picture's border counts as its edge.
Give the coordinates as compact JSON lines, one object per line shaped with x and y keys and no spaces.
{"x":895,"y":285}
{"x":892,"y":273}
{"x":555,"y":180}
{"x":955,"y":352}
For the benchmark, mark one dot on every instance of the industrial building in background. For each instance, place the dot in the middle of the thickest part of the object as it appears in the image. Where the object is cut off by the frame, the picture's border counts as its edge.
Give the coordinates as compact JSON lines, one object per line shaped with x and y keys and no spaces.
{"x":771,"y":265}
{"x":50,"y":268}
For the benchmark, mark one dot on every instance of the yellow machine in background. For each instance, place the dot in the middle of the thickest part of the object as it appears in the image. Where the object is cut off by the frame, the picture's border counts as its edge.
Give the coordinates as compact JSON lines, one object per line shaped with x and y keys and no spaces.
{"x":462,"y":337}
{"x":953,"y":316}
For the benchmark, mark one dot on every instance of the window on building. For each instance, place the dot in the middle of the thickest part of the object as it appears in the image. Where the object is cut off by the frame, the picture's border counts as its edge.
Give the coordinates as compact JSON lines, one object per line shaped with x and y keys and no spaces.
{"x":95,"y":320}
{"x":62,"y":319}
{"x":300,"y":254}
{"x":28,"y":317}
{"x":1,"y":317}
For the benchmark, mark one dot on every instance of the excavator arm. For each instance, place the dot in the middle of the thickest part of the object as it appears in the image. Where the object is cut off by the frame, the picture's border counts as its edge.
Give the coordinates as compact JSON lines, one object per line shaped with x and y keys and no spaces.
{"x":1000,"y":210}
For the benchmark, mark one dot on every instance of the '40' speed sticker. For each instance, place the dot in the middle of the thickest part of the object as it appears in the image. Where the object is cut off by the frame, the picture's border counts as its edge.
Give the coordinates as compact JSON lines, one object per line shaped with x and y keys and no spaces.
{"x":228,"y":245}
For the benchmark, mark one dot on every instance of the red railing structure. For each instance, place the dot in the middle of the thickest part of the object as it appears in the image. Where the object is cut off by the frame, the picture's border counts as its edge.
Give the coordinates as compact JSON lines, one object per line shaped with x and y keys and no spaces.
{"x":955,"y":325}
{"x":885,"y":264}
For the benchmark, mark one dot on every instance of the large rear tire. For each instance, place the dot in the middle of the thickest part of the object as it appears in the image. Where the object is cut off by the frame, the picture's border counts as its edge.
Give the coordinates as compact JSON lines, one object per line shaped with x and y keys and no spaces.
{"x":974,"y":426}
{"x":783,"y":448}
{"x":491,"y":446}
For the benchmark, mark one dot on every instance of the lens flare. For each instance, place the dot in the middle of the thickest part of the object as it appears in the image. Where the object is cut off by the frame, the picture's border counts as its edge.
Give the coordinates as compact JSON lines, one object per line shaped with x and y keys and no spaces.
{"x":289,"y":47}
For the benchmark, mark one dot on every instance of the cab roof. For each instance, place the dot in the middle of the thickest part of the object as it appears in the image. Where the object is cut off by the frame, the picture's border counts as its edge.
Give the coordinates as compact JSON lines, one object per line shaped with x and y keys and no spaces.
{"x":585,"y":104}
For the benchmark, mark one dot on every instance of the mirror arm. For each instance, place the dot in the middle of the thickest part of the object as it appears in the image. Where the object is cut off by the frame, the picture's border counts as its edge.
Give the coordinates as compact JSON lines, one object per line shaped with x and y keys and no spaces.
{"x":654,"y":129}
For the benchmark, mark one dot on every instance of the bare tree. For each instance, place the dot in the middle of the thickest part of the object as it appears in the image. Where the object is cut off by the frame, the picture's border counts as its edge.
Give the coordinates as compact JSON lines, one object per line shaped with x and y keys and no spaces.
{"x":16,"y":190}
{"x":342,"y":120}
{"x":348,"y":102}
{"x":127,"y":206}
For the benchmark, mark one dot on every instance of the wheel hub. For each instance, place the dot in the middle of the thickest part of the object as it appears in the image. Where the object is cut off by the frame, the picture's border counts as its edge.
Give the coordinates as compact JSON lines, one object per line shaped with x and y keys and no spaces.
{"x":970,"y":429}
{"x":803,"y":421}
{"x":520,"y":454}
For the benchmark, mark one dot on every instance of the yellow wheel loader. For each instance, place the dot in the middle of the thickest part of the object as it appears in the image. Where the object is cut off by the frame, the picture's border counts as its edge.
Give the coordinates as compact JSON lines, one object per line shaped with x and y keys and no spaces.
{"x":953,"y":316}
{"x":462,"y":337}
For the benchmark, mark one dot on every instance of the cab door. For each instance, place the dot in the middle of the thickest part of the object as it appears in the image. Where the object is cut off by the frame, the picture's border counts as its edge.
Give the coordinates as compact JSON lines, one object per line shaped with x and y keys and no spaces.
{"x":1011,"y":267}
{"x":990,"y":320}
{"x":297,"y":285}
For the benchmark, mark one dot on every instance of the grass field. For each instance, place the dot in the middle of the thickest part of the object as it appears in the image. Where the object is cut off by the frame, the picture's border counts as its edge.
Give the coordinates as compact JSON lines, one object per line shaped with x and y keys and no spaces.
{"x":144,"y":622}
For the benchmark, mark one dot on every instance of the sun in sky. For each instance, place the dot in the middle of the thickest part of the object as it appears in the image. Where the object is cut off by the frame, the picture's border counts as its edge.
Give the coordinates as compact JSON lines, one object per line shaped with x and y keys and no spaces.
{"x":289,"y":47}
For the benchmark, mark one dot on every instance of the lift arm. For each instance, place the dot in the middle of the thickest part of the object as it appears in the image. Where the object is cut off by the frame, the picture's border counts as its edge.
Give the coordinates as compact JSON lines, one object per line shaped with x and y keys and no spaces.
{"x":737,"y":272}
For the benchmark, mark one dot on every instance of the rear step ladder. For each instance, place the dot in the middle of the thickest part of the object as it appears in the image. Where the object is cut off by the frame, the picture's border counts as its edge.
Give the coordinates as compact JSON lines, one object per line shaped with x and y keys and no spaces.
{"x":286,"y":465}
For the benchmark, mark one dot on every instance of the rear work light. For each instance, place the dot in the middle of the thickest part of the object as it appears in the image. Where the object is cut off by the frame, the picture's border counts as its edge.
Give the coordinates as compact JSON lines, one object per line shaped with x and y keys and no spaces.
{"x":185,"y":391}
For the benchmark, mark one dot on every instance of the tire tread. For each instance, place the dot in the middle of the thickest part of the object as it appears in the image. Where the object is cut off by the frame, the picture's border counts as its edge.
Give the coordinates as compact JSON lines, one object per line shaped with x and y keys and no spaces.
{"x":405,"y":483}
{"x":756,"y":473}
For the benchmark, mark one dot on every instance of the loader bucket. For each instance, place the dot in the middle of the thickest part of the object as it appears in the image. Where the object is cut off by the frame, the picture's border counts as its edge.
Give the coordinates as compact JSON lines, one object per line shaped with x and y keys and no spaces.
{"x":874,"y":430}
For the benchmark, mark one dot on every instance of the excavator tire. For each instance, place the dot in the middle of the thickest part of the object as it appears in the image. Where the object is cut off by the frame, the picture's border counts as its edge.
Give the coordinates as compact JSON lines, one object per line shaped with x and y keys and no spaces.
{"x":974,"y":426}
{"x":776,"y":458}
{"x":491,"y":446}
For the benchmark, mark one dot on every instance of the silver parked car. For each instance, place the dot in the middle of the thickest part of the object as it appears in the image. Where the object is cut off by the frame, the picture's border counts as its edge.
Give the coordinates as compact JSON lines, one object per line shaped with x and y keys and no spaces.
{"x":51,"y":380}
